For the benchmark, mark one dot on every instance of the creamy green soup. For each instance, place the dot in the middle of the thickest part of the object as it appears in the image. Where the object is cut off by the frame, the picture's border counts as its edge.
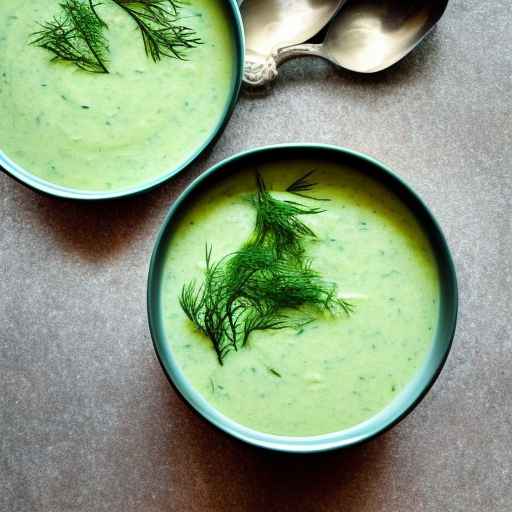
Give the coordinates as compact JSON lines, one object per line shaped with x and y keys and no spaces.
{"x":109,"y":132}
{"x":338,"y":371}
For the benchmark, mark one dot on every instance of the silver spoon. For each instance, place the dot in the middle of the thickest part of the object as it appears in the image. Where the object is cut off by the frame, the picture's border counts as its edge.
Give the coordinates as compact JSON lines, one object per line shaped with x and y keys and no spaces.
{"x":271,"y":25}
{"x":366,"y":36}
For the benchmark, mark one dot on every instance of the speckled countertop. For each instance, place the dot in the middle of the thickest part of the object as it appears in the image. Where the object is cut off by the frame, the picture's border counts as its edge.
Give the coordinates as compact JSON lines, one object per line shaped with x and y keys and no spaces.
{"x":88,"y":421}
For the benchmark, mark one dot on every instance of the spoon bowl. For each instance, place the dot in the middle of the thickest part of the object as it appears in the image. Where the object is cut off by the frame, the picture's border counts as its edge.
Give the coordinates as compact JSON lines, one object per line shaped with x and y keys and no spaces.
{"x":271,"y":25}
{"x":366,"y":36}
{"x":370,"y":36}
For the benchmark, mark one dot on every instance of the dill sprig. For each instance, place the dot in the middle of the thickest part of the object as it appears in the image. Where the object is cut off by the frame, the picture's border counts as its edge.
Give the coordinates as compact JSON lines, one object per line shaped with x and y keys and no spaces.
{"x":283,"y":283}
{"x":75,"y":35}
{"x":278,"y":224}
{"x":304,"y":184}
{"x":257,"y":287}
{"x":161,"y":28}
{"x":249,"y":291}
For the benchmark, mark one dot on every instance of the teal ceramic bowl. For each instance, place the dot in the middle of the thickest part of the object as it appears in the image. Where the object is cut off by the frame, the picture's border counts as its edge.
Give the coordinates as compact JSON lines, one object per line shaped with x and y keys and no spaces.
{"x":413,"y":393}
{"x":25,"y":177}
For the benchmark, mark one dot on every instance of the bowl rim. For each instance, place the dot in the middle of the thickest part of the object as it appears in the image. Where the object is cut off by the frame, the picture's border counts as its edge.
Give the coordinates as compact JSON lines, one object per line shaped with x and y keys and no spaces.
{"x":406,"y":400}
{"x":25,"y":177}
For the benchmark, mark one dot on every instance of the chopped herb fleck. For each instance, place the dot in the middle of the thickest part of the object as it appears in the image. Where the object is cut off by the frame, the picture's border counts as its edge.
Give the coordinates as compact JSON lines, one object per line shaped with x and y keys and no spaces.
{"x":275,"y":372}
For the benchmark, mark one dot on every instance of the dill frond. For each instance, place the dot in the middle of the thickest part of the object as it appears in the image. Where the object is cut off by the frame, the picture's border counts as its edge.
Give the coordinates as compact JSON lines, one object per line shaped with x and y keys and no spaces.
{"x":278,"y":224}
{"x":302,"y":185}
{"x":75,"y":35}
{"x":258,"y":287}
{"x":160,"y":24}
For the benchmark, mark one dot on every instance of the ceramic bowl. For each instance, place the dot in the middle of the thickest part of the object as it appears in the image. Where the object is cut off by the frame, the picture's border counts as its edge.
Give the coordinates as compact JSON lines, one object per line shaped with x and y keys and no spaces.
{"x":27,"y":178}
{"x":413,"y":393}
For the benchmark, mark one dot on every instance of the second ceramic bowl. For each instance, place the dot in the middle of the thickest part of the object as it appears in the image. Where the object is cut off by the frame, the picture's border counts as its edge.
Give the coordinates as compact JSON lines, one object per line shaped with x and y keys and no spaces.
{"x":88,"y":136}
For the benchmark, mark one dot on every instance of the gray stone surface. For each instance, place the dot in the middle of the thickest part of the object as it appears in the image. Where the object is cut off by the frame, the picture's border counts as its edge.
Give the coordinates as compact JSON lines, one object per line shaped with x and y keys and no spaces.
{"x":87,"y":420}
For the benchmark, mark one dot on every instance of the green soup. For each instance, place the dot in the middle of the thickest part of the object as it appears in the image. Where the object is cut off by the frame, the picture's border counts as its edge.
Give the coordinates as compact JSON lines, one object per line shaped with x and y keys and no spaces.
{"x":337,"y":371}
{"x":116,"y":131}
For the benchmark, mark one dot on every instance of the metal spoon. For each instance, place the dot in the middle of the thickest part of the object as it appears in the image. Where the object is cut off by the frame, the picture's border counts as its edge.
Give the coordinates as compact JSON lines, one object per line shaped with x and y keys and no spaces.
{"x":366,"y":36}
{"x":271,"y":25}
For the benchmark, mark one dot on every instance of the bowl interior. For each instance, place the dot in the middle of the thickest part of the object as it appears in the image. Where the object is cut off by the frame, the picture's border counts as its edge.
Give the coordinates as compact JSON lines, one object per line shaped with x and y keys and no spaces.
{"x":23,"y":175}
{"x":414,"y":391}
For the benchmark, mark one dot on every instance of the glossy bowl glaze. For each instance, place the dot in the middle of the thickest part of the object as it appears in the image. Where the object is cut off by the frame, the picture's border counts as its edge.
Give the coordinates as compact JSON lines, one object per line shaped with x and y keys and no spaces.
{"x":405,"y":402}
{"x":34,"y":182}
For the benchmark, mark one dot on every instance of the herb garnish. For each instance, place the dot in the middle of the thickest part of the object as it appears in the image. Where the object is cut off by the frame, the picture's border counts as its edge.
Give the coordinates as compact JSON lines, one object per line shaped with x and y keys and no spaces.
{"x":275,"y":372}
{"x":158,"y":21}
{"x":253,"y":288}
{"x":302,"y":185}
{"x":77,"y":34}
{"x":278,"y":227}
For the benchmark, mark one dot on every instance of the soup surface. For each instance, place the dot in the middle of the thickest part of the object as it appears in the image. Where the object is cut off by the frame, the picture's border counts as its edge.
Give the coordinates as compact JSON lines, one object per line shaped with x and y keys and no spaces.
{"x":337,"y":371}
{"x":102,"y":132}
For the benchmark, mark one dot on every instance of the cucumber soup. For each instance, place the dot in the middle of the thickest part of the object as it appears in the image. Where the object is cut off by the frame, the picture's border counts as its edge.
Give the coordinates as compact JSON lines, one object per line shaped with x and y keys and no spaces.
{"x":340,"y":369}
{"x":115,"y":131}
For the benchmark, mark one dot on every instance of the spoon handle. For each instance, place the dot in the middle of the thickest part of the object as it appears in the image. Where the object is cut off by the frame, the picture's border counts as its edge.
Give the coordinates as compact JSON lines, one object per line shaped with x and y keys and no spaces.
{"x":299,"y":50}
{"x":260,"y":71}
